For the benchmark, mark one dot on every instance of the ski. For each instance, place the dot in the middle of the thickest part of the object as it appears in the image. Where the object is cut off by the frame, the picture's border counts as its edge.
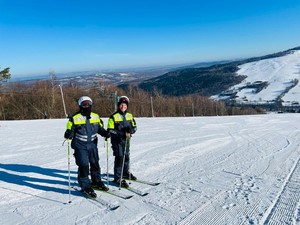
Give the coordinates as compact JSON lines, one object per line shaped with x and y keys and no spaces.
{"x":132,"y":189}
{"x":115,"y":193}
{"x":145,"y":182}
{"x":141,"y":181}
{"x":103,"y":202}
{"x":136,"y":191}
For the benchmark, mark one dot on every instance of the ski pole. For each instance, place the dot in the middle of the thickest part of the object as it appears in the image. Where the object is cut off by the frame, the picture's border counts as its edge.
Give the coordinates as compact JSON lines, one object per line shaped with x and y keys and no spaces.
{"x":69,"y":170}
{"x":123,"y":163}
{"x":107,"y":161}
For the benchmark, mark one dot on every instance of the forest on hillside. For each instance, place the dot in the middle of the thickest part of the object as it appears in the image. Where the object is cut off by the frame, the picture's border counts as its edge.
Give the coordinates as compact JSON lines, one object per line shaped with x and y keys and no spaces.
{"x":48,"y":99}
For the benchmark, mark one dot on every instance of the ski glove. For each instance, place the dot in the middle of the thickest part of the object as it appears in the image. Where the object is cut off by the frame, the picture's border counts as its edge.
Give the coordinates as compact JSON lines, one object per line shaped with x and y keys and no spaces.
{"x":126,"y":130}
{"x":128,"y":135}
{"x":68,"y":134}
{"x":103,"y":132}
{"x":107,"y":135}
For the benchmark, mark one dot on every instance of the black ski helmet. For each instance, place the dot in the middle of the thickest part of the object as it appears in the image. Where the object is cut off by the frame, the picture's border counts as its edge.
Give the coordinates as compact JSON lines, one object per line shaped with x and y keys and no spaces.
{"x":123,"y":99}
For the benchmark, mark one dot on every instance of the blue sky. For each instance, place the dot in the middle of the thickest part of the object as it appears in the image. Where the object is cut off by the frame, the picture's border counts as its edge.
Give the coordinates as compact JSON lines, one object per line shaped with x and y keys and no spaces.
{"x":42,"y":36}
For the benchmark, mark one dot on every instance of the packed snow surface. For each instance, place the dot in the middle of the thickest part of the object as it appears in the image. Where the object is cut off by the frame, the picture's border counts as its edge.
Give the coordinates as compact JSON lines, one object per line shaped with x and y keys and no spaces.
{"x":212,"y":170}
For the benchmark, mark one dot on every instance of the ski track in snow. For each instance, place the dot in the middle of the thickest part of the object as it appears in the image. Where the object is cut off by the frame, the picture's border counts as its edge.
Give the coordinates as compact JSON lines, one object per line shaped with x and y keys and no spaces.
{"x":242,"y":210}
{"x":212,"y":170}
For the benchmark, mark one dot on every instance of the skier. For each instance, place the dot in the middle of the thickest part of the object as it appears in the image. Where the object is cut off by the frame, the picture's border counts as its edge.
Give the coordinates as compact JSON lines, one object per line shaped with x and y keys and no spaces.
{"x":121,"y":126}
{"x":82,"y":128}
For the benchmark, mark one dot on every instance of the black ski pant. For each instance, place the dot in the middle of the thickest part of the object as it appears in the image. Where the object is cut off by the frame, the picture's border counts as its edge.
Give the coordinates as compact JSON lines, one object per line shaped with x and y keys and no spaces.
{"x":118,"y":166}
{"x":87,"y":161}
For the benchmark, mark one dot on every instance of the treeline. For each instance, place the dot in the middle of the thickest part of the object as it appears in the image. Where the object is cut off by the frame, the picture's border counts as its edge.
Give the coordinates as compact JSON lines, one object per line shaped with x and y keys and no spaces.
{"x":44,"y":99}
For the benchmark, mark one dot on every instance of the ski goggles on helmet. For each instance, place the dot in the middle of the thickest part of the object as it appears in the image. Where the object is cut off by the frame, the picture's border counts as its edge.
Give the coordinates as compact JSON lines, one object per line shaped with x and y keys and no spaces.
{"x":86,"y":103}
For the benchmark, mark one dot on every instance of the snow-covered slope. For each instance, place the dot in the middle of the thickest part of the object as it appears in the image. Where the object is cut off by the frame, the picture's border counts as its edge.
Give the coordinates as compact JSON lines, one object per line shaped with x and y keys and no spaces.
{"x":213,"y":170}
{"x":280,"y":75}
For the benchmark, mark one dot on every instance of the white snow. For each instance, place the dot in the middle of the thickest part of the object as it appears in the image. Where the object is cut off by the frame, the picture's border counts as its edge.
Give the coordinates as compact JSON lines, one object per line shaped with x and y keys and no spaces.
{"x":278,"y":72}
{"x":213,"y":170}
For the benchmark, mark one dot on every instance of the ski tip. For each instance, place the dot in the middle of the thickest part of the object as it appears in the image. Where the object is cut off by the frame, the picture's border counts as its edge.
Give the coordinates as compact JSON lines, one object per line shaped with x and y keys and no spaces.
{"x":144,"y":194}
{"x":128,"y":197}
{"x":114,"y":207}
{"x":147,"y":182}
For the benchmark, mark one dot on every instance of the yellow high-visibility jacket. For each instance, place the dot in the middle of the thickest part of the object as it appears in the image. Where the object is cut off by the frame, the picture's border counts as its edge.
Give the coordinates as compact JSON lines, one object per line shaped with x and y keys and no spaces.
{"x":83,"y":131}
{"x":118,"y":124}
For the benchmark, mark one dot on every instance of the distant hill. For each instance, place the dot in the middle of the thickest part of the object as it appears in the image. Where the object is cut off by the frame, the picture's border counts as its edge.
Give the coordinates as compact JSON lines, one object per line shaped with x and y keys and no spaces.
{"x":205,"y":81}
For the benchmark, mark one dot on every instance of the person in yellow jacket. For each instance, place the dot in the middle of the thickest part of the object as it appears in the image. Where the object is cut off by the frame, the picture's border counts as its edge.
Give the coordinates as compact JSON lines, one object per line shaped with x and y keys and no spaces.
{"x":83,"y":128}
{"x":121,"y":126}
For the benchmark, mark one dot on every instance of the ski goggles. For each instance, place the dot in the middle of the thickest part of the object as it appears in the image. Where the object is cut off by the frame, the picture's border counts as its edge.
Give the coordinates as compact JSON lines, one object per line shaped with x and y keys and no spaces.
{"x":86,"y":103}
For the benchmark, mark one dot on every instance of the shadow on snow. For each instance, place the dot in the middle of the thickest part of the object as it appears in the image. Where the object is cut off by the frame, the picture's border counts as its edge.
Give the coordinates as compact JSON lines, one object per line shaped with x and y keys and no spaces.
{"x":27,"y":177}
